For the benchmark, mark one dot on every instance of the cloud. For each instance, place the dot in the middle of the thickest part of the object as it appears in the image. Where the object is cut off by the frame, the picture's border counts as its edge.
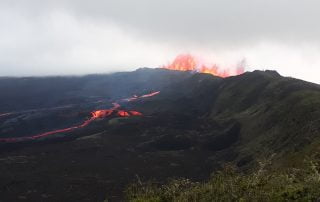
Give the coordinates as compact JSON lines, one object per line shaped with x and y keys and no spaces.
{"x":78,"y":36}
{"x":59,"y":43}
{"x":212,"y":22}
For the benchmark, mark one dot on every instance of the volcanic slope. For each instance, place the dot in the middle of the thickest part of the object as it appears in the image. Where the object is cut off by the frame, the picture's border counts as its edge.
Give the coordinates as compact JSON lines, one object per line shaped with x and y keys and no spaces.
{"x":32,"y":106}
{"x":194,"y":125}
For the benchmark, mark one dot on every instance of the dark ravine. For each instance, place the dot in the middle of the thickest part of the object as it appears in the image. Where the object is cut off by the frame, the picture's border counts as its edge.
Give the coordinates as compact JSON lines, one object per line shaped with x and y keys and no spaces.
{"x":196,"y":124}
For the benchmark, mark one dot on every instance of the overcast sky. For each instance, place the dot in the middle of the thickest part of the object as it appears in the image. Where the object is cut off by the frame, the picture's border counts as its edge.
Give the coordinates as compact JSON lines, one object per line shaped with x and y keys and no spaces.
{"x":50,"y":37}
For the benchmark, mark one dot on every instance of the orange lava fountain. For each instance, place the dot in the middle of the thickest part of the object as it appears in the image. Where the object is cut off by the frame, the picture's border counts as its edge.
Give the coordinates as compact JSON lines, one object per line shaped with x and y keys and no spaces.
{"x":187,"y":62}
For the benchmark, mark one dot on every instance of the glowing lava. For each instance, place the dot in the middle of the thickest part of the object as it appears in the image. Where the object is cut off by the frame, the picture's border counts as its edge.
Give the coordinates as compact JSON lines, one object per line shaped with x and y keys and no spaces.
{"x":187,"y":62}
{"x":150,"y":95}
{"x":123,"y":113}
{"x":98,"y":114}
{"x":101,"y":113}
{"x":135,"y":97}
{"x":135,"y":113}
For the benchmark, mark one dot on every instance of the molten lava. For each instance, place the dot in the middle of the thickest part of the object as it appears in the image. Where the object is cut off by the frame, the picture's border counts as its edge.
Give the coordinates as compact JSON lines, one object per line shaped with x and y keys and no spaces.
{"x":135,"y":97}
{"x":187,"y":62}
{"x":135,"y":113}
{"x":98,"y":114}
{"x":101,"y":113}
{"x":150,"y":95}
{"x":123,"y":113}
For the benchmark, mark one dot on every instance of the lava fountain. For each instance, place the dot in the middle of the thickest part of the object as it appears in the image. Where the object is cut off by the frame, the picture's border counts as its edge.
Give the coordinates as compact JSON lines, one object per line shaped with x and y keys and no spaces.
{"x":188,"y":62}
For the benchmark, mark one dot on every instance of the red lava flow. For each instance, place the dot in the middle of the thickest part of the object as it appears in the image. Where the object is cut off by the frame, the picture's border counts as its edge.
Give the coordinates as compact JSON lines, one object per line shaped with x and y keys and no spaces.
{"x":98,"y":114}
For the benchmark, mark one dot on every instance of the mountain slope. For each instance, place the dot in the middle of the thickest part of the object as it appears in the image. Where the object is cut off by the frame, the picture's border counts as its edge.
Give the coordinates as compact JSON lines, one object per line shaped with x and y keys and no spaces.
{"x":197,"y":123}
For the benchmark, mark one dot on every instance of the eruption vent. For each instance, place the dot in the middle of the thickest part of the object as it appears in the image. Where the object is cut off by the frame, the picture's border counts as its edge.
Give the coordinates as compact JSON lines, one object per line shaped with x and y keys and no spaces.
{"x":187,"y":62}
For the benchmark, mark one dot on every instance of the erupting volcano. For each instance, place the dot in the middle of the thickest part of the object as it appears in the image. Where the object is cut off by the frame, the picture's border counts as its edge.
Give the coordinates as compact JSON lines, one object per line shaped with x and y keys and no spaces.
{"x":187,"y":62}
{"x":98,"y":114}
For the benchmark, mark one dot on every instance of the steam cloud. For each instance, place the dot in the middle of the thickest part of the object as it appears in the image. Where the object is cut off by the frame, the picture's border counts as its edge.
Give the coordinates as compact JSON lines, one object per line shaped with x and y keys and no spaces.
{"x":77,"y":36}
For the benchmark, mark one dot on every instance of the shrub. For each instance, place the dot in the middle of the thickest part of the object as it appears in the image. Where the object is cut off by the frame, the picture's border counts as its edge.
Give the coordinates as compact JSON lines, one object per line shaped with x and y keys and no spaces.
{"x":230,"y":185}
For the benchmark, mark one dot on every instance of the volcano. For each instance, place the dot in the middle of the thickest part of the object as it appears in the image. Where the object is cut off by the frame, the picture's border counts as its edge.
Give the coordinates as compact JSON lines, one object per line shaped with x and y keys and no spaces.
{"x":86,"y":138}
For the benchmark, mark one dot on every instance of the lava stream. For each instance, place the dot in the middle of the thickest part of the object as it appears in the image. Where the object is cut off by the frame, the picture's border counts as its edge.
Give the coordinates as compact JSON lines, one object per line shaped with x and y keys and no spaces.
{"x":135,"y":113}
{"x":135,"y":97}
{"x":98,"y":114}
{"x":123,"y":113}
{"x":150,"y":95}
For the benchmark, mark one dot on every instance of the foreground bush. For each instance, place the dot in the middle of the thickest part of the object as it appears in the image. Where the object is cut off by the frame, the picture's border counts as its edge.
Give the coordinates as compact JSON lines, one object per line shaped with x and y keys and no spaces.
{"x":229,"y":185}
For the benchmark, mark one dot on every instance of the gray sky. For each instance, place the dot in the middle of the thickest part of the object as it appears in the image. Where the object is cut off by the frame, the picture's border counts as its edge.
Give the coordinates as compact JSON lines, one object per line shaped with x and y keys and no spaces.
{"x":43,"y":37}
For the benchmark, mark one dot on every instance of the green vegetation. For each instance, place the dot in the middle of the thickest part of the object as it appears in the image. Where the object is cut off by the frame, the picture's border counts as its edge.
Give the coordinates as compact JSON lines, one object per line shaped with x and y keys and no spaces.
{"x":230,"y":185}
{"x":276,"y":115}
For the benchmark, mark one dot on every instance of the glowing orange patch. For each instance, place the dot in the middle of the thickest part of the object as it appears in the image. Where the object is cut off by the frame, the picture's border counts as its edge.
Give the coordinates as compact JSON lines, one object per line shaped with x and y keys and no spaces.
{"x":187,"y":62}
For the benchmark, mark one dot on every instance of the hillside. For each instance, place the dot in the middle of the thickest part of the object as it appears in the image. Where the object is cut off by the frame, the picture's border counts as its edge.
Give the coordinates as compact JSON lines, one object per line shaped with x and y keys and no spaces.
{"x":195,"y":125}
